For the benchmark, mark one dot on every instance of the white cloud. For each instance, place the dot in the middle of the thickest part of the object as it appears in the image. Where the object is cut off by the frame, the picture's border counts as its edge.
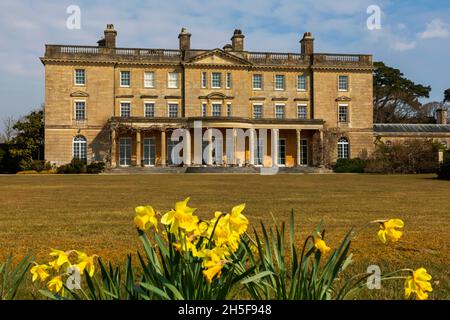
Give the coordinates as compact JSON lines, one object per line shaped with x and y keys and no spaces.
{"x":404,"y":46}
{"x":435,"y":29}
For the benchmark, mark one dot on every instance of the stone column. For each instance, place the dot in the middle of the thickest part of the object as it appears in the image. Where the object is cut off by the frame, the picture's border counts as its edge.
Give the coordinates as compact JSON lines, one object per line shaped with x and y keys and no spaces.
{"x":113,"y":148}
{"x":299,"y":153}
{"x":234,"y":156}
{"x":187,"y":148}
{"x":163,"y":147}
{"x":251,"y":146}
{"x":275,"y":137}
{"x":138,"y":149}
{"x":322,"y":151}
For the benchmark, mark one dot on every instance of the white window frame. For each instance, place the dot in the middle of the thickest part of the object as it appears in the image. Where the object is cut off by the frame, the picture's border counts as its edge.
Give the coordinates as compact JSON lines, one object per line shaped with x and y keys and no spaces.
{"x":342,"y":144}
{"x":145,"y":105}
{"x":253,"y":81}
{"x":153,"y":79}
{"x":298,"y":82}
{"x":204,"y":109}
{"x":228,"y":80}
{"x":220,"y":110}
{"x":168,"y":108}
{"x":75,"y":77}
{"x":261,"y":105}
{"x":204,"y":79}
{"x":275,"y":82}
{"x":170,"y":81}
{"x":120,"y":104}
{"x":275,"y":110}
{"x":212,"y":80}
{"x":75,"y":110}
{"x":347,"y":113}
{"x":120,"y":79}
{"x":80,"y":142}
{"x":339,"y":81}
{"x":301,"y":105}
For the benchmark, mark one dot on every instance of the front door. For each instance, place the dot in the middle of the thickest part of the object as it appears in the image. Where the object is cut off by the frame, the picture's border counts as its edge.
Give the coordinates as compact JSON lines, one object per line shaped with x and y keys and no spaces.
{"x":125,"y":151}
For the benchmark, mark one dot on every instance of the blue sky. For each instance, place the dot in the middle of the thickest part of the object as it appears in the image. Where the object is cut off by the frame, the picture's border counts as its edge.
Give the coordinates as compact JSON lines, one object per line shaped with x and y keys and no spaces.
{"x":415,"y":35}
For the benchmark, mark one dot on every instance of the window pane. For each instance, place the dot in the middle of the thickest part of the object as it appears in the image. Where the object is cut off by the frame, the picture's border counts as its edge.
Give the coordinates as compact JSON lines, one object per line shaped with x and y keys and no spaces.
{"x":204,"y":79}
{"x":216,"y":109}
{"x":216,"y":80}
{"x":125,"y":109}
{"x":343,"y":149}
{"x":279,"y":82}
{"x":149,"y":110}
{"x":80,"y":110}
{"x":80,"y":77}
{"x":125,"y":80}
{"x":257,"y":111}
{"x":302,"y":112}
{"x":149,"y":151}
{"x":203,"y":109}
{"x":149,"y":79}
{"x":279,"y":111}
{"x":173,"y":110}
{"x":257,"y":81}
{"x":343,"y":113}
{"x":301,"y":82}
{"x":80,"y":148}
{"x":343,"y":83}
{"x":228,"y":80}
{"x":173,"y":80}
{"x":125,"y":151}
{"x":229,"y":110}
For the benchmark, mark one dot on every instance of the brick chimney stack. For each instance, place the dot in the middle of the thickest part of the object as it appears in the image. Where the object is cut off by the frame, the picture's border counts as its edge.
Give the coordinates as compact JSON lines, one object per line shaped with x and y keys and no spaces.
{"x":307,"y":44}
{"x":237,"y":40}
{"x":185,"y":39}
{"x":110,"y":36}
{"x":441,"y":115}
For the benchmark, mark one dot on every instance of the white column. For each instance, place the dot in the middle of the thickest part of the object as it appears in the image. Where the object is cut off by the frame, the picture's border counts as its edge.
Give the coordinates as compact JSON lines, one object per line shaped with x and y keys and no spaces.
{"x":275,"y":137}
{"x":299,"y":154}
{"x":234,"y":157}
{"x":209,"y":161}
{"x":163,"y":148}
{"x":138,"y":149}
{"x":113,"y":148}
{"x":251,"y":146}
{"x":187,"y":148}
{"x":322,"y":151}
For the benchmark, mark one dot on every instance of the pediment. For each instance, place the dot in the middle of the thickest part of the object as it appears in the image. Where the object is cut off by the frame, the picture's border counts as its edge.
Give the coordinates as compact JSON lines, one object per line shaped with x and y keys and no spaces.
{"x":343,"y":98}
{"x":218,"y":57}
{"x":79,"y":94}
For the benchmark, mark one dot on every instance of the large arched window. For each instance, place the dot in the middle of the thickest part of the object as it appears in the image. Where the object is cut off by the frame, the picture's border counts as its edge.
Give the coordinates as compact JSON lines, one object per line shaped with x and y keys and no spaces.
{"x":343,"y":149}
{"x":79,"y":148}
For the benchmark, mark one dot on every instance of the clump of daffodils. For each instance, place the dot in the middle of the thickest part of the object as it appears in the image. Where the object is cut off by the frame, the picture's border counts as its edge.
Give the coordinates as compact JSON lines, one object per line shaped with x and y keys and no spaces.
{"x":213,"y":241}
{"x":58,"y":269}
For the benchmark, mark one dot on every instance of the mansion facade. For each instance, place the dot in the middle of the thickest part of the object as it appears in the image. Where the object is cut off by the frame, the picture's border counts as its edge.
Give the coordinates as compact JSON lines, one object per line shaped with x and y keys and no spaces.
{"x":120,"y":105}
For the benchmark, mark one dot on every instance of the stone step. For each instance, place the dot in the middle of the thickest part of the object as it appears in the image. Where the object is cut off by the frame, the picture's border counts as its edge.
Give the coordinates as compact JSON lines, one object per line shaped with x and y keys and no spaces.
{"x":218,"y":170}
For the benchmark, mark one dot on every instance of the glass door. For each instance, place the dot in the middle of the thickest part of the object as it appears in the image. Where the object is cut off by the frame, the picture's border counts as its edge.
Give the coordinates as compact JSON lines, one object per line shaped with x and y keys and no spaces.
{"x":125,"y":151}
{"x":303,"y":152}
{"x":282,"y":152}
{"x":149,"y":151}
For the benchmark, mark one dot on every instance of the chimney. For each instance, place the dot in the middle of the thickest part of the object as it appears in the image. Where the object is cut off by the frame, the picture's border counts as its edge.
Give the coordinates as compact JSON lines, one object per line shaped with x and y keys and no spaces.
{"x":441,"y":115}
{"x":228,"y":47}
{"x":185,"y":39}
{"x":109,"y":41}
{"x":307,"y":44}
{"x":237,"y":40}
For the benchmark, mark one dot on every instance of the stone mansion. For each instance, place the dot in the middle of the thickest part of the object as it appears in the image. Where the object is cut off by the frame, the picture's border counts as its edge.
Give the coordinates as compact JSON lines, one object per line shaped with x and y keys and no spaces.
{"x":120,"y":105}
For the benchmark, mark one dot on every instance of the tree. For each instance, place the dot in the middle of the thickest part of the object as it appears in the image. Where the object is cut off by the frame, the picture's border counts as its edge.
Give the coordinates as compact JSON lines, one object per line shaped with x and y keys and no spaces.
{"x":29,"y":139}
{"x":8,"y":129}
{"x":447,"y":95}
{"x":396,"y":98}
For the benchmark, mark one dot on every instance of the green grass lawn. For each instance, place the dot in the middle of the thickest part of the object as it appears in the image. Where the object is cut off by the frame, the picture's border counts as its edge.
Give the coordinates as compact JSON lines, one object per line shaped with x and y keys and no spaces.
{"x":94,"y":213}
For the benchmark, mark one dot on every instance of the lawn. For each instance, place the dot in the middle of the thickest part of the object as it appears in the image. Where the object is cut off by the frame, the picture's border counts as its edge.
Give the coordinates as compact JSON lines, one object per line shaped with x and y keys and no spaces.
{"x":94,"y":213}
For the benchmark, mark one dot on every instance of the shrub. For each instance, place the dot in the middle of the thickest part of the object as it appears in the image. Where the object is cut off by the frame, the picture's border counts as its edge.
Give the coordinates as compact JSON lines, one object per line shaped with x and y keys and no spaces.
{"x":95,"y":167}
{"x":75,"y":166}
{"x":40,"y":165}
{"x":411,"y":156}
{"x":356,"y":165}
{"x":27,"y":172}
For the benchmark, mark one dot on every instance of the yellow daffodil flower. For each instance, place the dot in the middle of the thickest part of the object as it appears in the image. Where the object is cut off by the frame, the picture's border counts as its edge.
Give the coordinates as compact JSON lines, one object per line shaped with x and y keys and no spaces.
{"x":86,"y":262}
{"x":321,"y":245}
{"x":213,"y":261}
{"x":181,"y":217}
{"x":40,"y":270}
{"x":212,"y":272}
{"x":145,"y":218}
{"x":418,"y":283}
{"x":56,"y":285}
{"x":238,"y":222}
{"x":62,"y":259}
{"x":388,"y":230}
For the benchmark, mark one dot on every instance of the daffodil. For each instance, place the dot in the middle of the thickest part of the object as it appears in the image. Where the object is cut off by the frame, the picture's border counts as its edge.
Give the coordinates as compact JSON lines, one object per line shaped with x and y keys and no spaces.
{"x":320,"y":244}
{"x":238,"y":222}
{"x":62,"y":258}
{"x":145,"y":218}
{"x":85,"y":262}
{"x":40,"y":270}
{"x":389,"y":230}
{"x":213,"y":261}
{"x":56,"y":285}
{"x":181,"y":217}
{"x":213,"y":271}
{"x":418,"y":283}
